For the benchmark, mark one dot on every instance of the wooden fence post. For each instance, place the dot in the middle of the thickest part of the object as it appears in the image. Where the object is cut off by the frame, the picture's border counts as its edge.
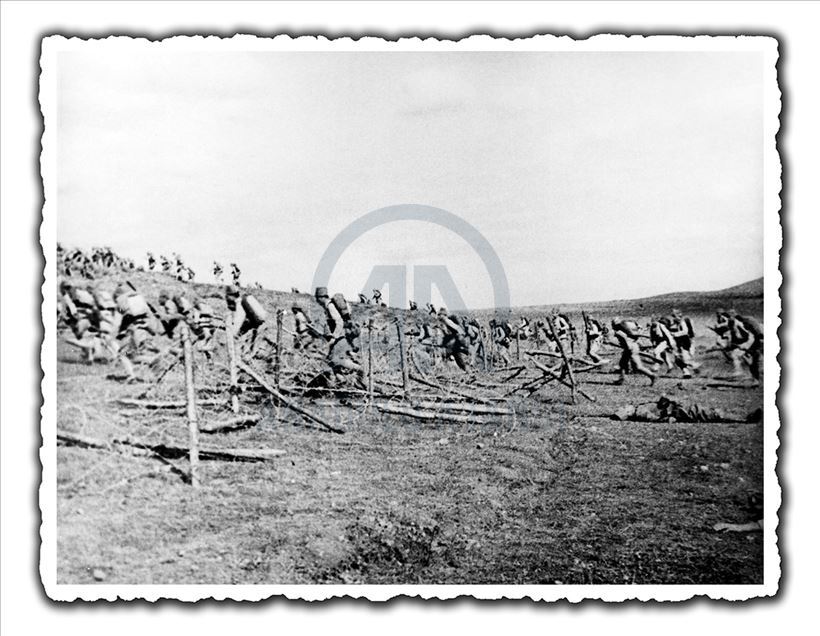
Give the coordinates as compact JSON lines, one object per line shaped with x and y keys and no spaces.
{"x":370,"y":359}
{"x":491,"y":345}
{"x":278,"y":366}
{"x":190,"y":390}
{"x":234,"y":374}
{"x":405,"y":371}
{"x":518,"y":345}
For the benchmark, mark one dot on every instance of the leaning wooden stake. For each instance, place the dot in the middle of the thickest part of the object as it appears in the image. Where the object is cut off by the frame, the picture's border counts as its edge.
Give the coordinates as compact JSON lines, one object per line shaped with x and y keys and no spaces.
{"x":190,"y":390}
{"x":549,"y":372}
{"x":435,"y":416}
{"x":277,"y":371}
{"x":234,"y":377}
{"x":435,"y":385}
{"x":370,"y":359}
{"x":405,"y":371}
{"x":518,"y":345}
{"x":491,"y":347}
{"x":262,"y":381}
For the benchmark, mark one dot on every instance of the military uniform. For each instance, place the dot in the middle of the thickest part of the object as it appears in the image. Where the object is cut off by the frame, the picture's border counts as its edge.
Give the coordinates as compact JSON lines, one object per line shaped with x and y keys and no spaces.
{"x":744,"y":341}
{"x":134,"y":330}
{"x":627,"y":333}
{"x":683,"y":332}
{"x":594,"y":335}
{"x":663,"y":343}
{"x":455,"y":342}
{"x":342,"y":336}
{"x":305,"y":334}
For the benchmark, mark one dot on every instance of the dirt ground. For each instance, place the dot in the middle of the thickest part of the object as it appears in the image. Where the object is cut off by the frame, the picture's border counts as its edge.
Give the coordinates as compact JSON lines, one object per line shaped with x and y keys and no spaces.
{"x":557,"y":493}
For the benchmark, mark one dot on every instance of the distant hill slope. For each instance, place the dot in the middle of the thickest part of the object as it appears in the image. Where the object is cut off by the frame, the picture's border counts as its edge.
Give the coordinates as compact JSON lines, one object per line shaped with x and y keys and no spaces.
{"x":750,"y":289}
{"x":746,"y":298}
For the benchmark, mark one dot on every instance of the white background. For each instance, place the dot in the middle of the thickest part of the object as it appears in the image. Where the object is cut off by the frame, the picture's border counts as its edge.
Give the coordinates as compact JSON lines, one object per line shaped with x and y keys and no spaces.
{"x":24,"y":606}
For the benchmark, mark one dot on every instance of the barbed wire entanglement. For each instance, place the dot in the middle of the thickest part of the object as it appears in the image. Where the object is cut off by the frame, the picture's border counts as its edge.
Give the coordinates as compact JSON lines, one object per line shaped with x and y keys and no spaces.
{"x":204,"y":361}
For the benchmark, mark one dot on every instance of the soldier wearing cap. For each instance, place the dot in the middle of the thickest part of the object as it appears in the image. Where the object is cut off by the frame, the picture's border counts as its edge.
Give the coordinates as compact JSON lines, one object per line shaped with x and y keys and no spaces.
{"x":364,"y":300}
{"x":626,"y":333}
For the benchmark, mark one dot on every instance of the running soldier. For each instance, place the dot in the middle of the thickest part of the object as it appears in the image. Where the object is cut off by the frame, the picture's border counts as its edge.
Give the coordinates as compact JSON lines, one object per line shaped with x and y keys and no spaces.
{"x":501,"y":336}
{"x":455,"y":343}
{"x":745,"y":342}
{"x":594,"y":332}
{"x":563,"y":329}
{"x":342,"y":336}
{"x":218,"y":273}
{"x":305,"y":334}
{"x":663,"y":343}
{"x":134,"y":330}
{"x":682,"y":330}
{"x":627,"y":333}
{"x":203,"y":325}
{"x":80,"y":316}
{"x":236,"y":274}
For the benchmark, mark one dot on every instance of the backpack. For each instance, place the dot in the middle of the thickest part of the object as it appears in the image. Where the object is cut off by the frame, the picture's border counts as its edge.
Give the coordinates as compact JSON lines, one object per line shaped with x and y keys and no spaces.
{"x":254,"y":311}
{"x":340,"y":303}
{"x":752,"y":326}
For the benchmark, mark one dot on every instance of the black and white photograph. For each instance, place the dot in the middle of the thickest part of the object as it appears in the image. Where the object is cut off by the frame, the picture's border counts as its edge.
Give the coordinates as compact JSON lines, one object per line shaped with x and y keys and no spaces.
{"x":483,"y":317}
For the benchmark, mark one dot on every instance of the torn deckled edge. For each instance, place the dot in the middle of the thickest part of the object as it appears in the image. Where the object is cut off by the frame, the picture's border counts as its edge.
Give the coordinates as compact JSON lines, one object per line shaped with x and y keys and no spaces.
{"x":52,"y":49}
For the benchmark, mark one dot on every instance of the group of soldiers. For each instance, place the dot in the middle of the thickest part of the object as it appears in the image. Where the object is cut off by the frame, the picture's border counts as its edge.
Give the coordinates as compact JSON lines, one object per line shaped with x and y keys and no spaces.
{"x":173,"y":266}
{"x":97,"y":261}
{"x":236,"y":274}
{"x":125,"y":325}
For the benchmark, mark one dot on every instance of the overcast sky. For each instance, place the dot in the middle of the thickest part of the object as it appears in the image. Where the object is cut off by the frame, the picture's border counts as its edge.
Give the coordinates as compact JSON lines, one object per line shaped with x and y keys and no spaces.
{"x":594,"y":176}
